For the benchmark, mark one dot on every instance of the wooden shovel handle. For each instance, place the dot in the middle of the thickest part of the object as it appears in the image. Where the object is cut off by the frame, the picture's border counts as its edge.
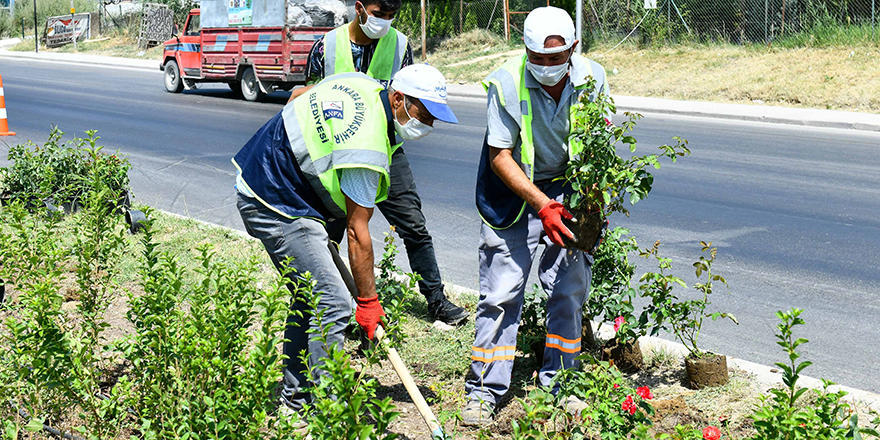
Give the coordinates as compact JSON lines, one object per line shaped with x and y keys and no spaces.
{"x":412,"y":389}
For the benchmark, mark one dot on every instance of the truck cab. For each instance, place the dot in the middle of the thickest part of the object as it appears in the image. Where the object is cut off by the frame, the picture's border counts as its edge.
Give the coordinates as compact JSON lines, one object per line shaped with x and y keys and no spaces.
{"x":182,"y":57}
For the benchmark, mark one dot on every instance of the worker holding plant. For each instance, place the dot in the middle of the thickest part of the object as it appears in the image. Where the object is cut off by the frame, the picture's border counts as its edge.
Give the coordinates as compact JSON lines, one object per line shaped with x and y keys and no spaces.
{"x":370,"y":45}
{"x":519,"y":196}
{"x":323,"y":157}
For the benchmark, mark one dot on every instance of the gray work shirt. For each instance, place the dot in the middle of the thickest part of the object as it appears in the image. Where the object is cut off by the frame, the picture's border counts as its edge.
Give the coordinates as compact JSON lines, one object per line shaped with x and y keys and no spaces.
{"x":550,"y":125}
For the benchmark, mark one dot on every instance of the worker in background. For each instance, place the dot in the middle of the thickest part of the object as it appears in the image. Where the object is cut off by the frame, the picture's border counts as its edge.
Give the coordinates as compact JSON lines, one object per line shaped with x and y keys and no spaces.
{"x":370,"y":45}
{"x":326,"y":156}
{"x":519,"y":196}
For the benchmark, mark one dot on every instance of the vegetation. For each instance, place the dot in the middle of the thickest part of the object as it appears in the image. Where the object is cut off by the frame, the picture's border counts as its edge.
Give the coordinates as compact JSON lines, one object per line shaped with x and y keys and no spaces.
{"x":177,"y":331}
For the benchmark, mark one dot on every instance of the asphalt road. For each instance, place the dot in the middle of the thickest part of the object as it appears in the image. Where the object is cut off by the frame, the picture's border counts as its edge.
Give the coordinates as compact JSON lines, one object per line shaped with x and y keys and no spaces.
{"x":793,"y":210}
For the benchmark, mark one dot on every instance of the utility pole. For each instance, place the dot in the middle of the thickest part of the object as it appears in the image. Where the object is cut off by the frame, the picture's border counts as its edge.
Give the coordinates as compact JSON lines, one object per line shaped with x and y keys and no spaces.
{"x":424,"y":29}
{"x":579,"y":23}
{"x":36,"y":30}
{"x":73,"y":24}
{"x":506,"y":20}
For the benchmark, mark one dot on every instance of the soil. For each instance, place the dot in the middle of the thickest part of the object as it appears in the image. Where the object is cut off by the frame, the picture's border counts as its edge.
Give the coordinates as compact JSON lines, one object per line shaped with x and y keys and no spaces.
{"x":587,"y":230}
{"x":707,"y":371}
{"x":627,"y":357}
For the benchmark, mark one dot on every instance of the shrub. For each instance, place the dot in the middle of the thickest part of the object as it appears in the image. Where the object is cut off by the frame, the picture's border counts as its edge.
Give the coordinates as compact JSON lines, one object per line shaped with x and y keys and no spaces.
{"x":777,"y":417}
{"x":63,"y":171}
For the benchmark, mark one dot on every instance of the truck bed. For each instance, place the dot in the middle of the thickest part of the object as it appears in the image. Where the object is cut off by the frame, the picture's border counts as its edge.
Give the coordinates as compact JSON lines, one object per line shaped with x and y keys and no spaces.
{"x":275,"y":54}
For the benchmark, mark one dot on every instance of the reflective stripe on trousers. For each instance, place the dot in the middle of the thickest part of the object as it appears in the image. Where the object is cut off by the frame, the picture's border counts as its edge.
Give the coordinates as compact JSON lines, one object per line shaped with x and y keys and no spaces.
{"x":505,"y":262}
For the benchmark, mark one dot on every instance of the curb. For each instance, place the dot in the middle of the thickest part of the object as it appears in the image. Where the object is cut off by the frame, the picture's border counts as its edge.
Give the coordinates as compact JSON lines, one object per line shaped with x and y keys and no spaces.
{"x":767,"y":377}
{"x":741,"y":112}
{"x":76,"y":58}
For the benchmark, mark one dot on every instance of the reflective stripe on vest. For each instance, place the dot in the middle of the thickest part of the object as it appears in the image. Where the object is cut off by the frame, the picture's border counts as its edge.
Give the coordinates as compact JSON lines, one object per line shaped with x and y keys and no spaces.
{"x":340,"y":123}
{"x":514,"y":96}
{"x":385,"y":62}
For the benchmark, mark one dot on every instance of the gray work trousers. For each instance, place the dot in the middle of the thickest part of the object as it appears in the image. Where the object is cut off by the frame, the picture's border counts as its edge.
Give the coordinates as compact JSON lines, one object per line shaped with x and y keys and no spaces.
{"x":505,"y":262}
{"x":305,"y":240}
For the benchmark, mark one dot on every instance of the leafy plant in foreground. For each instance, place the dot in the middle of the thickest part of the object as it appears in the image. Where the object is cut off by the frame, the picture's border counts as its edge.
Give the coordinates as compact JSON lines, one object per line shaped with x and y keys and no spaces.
{"x":683,"y":318}
{"x":610,"y":293}
{"x":778,"y":417}
{"x":201,"y":360}
{"x":614,"y":410}
{"x":344,"y":403}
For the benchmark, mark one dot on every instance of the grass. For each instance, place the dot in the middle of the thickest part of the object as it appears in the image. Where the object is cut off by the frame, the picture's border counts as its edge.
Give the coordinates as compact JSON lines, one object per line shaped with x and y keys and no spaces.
{"x":830,"y":68}
{"x":118,"y":45}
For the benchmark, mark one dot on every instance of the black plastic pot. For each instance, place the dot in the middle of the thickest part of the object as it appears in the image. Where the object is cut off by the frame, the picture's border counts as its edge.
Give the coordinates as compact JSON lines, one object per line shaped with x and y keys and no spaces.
{"x":123,"y":203}
{"x":135,"y":220}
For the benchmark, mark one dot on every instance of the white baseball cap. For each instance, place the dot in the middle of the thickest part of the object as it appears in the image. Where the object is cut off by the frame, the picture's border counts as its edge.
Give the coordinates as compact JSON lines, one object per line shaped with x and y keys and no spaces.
{"x":428,"y":85}
{"x":547,"y":22}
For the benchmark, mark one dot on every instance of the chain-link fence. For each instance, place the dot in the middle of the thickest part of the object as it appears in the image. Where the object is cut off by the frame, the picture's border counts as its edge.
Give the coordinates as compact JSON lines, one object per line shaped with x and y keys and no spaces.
{"x":735,"y":21}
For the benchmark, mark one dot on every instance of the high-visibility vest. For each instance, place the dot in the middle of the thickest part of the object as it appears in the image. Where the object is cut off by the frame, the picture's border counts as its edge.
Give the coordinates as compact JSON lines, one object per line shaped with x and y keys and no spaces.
{"x":498,"y":205}
{"x":342,"y":122}
{"x":385,"y":62}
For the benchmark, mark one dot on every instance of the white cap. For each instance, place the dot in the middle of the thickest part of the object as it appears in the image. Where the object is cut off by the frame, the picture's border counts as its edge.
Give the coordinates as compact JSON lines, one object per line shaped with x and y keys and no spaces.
{"x":428,"y":85}
{"x":547,"y":22}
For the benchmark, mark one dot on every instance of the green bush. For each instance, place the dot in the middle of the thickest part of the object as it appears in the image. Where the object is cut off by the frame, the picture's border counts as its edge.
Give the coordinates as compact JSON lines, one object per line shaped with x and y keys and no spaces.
{"x":63,"y":171}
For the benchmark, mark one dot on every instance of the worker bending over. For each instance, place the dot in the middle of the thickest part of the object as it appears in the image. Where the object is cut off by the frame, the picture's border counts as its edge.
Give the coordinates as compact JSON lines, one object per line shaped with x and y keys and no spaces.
{"x":370,"y":45}
{"x":326,"y":156}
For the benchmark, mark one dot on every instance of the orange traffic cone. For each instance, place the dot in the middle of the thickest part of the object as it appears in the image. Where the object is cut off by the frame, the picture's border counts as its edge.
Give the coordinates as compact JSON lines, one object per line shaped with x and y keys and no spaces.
{"x":4,"y":126}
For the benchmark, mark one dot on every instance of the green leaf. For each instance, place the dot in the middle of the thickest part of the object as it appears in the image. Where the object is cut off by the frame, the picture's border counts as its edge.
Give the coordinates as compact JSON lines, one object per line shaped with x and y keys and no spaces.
{"x":35,"y":425}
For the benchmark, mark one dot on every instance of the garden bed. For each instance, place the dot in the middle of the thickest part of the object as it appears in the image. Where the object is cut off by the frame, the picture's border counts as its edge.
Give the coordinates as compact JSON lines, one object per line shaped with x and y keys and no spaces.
{"x":437,"y":359}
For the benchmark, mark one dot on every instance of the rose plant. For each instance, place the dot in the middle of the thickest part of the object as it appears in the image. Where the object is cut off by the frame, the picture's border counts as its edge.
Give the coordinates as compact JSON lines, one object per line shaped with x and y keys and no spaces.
{"x":683,"y":318}
{"x":602,"y":180}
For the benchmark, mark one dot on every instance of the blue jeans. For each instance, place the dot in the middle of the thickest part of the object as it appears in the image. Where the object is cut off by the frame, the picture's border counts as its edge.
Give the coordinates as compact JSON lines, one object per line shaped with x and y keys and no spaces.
{"x":306,"y":241}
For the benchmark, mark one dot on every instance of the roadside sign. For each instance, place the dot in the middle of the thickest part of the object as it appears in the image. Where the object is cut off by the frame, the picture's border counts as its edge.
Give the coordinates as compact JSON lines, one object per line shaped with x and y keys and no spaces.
{"x":59,"y":30}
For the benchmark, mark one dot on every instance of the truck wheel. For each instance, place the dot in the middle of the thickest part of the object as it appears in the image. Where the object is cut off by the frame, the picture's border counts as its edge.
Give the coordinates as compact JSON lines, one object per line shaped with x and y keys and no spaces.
{"x":250,"y":89}
{"x":173,"y":81}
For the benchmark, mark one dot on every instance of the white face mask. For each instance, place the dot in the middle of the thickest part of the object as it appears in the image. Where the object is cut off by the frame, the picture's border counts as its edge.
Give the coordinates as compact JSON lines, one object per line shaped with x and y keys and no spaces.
{"x":375,"y":27}
{"x":413,"y":129}
{"x":548,"y":75}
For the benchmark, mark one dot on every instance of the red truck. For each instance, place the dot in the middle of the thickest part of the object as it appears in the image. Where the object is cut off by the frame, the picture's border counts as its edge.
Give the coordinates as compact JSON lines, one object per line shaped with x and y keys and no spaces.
{"x":254,"y":48}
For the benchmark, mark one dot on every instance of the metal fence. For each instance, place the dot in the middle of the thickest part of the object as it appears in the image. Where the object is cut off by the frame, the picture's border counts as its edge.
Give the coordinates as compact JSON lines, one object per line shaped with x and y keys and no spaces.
{"x":735,"y":21}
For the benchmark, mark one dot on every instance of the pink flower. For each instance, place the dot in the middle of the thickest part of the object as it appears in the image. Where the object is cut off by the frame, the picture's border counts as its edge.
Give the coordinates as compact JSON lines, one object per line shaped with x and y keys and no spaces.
{"x":644,"y":393}
{"x":619,"y":321}
{"x":629,"y":406}
{"x":711,"y":433}
{"x":607,"y":122}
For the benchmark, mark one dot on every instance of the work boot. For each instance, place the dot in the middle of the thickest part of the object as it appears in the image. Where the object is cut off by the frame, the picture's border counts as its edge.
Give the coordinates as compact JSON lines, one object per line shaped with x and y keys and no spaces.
{"x":447,"y":312}
{"x":476,"y":413}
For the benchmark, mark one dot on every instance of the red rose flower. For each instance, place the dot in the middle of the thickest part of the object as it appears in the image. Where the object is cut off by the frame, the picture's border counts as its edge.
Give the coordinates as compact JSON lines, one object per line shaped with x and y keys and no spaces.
{"x":619,"y":321}
{"x":629,"y":406}
{"x":711,"y":433}
{"x":644,"y":393}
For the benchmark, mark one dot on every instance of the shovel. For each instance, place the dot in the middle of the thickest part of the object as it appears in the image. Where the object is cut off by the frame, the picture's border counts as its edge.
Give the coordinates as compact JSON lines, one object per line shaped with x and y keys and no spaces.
{"x":394,"y":357}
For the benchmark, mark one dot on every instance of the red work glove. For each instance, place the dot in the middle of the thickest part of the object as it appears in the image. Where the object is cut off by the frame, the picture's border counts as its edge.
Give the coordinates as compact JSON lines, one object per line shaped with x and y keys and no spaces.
{"x":369,"y":314}
{"x":551,"y":217}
